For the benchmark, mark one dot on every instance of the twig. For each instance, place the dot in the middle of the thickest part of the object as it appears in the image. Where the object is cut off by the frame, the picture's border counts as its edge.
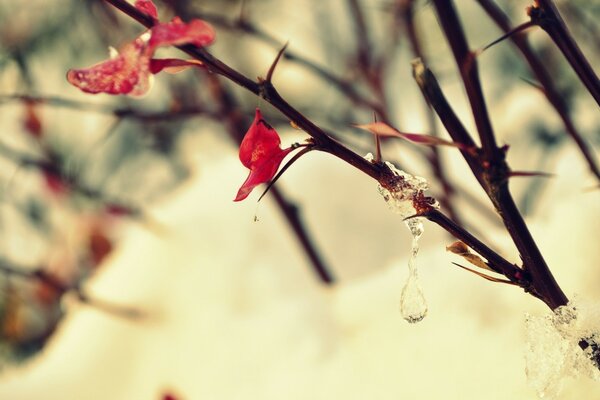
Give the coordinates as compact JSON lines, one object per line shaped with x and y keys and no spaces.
{"x":547,"y":83}
{"x":545,"y":14}
{"x":62,"y":288}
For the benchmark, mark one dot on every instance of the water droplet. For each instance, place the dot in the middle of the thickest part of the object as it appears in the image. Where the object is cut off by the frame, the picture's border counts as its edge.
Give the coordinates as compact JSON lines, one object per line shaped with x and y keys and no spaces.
{"x":413,"y":306}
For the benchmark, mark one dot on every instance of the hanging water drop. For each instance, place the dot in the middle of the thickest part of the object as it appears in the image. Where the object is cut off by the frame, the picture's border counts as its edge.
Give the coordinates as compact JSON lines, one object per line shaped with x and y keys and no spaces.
{"x":413,"y":306}
{"x":403,"y":192}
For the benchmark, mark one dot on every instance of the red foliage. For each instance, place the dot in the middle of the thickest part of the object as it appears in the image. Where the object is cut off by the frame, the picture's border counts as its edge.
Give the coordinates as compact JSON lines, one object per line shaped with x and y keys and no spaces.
{"x":261,"y":153}
{"x":147,"y":7}
{"x":129,"y":71}
{"x":32,"y":122}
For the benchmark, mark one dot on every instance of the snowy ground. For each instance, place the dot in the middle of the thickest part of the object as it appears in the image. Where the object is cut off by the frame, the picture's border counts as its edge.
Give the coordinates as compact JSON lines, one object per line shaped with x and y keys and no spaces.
{"x":234,"y":313}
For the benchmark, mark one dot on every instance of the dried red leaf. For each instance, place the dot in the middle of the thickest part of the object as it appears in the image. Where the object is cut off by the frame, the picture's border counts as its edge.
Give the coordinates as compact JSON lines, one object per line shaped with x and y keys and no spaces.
{"x":129,"y":71}
{"x":383,"y":129}
{"x":54,"y":182}
{"x":125,"y":73}
{"x":99,"y":245}
{"x":177,"y":32}
{"x":32,"y":122}
{"x":261,"y":153}
{"x":147,"y":7}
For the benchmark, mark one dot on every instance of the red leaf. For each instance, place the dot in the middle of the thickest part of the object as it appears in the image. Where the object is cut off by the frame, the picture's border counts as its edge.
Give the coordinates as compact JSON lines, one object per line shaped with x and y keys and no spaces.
{"x":177,"y":32}
{"x":383,"y":129}
{"x":125,"y":73}
{"x":172,"y":65}
{"x":32,"y":122}
{"x":147,"y":7}
{"x":129,"y":71}
{"x":99,"y":245}
{"x":261,"y":153}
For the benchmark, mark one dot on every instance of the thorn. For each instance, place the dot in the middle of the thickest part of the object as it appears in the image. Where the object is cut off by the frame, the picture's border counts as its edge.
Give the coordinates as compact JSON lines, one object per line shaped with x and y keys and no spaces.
{"x":274,"y":64}
{"x":532,"y":83}
{"x":530,"y":174}
{"x":486,"y":277}
{"x":508,"y":34}
{"x":285,"y":167}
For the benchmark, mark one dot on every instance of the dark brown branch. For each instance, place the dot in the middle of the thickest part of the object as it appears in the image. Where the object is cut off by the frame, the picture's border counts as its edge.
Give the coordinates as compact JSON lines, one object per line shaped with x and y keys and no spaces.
{"x":467,"y":65}
{"x":545,"y":14}
{"x":494,"y":180}
{"x":405,"y":13}
{"x":545,"y":80}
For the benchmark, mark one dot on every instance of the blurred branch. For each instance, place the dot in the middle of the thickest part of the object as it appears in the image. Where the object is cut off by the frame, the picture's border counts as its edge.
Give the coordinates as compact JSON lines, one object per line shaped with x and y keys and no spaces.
{"x":61,"y":288}
{"x":344,"y":86}
{"x":544,"y":78}
{"x":545,"y":14}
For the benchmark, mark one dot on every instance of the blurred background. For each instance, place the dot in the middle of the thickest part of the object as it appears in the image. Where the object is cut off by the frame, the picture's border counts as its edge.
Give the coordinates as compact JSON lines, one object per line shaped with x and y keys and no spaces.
{"x":127,"y":271}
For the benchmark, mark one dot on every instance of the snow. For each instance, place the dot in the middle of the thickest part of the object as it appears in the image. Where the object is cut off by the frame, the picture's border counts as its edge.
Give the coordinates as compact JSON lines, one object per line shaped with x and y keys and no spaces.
{"x":553,"y":351}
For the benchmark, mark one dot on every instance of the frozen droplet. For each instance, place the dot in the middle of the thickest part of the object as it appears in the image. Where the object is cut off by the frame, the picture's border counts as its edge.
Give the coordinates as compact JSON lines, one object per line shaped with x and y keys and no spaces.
{"x":401,"y":193}
{"x":413,"y":306}
{"x":369,"y":157}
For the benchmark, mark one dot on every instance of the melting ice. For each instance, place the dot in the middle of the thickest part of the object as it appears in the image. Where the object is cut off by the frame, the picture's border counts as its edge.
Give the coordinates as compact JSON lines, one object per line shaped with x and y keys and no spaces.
{"x":399,"y":198}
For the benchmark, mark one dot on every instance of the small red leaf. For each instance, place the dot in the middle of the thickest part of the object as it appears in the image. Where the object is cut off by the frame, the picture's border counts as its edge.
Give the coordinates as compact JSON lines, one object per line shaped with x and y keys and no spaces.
{"x":261,"y":153}
{"x":32,"y":122}
{"x":147,"y":7}
{"x":383,"y":129}
{"x":172,"y":65}
{"x":125,"y":73}
{"x":99,"y":245}
{"x":177,"y":32}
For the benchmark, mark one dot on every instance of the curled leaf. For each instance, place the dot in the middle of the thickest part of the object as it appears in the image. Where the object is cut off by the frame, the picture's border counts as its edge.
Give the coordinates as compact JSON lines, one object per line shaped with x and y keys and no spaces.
{"x":261,"y":153}
{"x":461,"y":249}
{"x":125,"y":73}
{"x":129,"y":70}
{"x":383,"y":129}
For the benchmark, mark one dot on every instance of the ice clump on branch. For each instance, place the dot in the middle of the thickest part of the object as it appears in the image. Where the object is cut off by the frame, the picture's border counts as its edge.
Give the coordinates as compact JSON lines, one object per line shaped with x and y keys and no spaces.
{"x":553,"y":346}
{"x":404,"y":193}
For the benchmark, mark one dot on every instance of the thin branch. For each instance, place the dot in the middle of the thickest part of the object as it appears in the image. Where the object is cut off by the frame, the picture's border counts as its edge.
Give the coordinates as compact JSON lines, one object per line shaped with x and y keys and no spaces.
{"x":467,"y":65}
{"x":62,"y":288}
{"x":406,"y":14}
{"x":547,"y":83}
{"x":345,"y":87}
{"x":546,"y":15}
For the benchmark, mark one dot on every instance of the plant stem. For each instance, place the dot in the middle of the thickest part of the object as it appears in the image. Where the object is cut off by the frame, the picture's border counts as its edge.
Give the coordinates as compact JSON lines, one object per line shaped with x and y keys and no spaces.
{"x":543,"y":76}
{"x":548,"y":18}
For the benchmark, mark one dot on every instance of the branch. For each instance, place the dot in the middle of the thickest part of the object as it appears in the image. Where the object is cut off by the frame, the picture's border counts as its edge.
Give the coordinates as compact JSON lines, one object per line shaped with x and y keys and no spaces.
{"x":60,"y":287}
{"x":543,"y":76}
{"x":467,"y":65}
{"x":545,"y":14}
